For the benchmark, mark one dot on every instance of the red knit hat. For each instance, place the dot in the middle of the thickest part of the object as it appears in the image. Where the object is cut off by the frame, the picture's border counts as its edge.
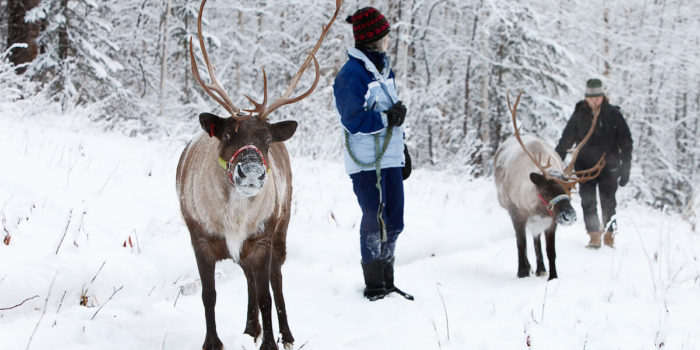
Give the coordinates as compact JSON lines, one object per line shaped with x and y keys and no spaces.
{"x":368,"y":25}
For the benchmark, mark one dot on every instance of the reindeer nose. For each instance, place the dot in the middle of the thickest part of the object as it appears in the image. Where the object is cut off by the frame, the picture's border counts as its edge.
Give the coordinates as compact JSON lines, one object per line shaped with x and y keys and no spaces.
{"x":567,"y":216}
{"x":250,"y":170}
{"x":249,"y":174}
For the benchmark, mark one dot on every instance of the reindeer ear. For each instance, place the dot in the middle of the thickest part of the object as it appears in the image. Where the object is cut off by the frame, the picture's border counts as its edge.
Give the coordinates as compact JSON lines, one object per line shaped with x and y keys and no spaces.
{"x":212,"y":124}
{"x":282,"y":131}
{"x":537,"y":179}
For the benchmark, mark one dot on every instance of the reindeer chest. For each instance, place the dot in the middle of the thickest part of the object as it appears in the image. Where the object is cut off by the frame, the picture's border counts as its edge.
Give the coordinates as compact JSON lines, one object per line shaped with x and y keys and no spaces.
{"x":236,"y":233}
{"x":536,"y":224}
{"x":240,"y":220}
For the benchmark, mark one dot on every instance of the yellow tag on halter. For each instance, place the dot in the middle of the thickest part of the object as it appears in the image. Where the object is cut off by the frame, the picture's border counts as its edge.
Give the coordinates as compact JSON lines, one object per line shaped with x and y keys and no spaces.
{"x":223,"y":163}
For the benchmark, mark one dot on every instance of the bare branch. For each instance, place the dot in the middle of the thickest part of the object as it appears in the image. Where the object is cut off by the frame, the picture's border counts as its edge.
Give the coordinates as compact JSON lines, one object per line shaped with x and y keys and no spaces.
{"x":447,"y":320}
{"x":70,"y":216}
{"x":23,"y":301}
{"x":46,"y":302}
{"x":98,"y":271}
{"x":108,"y":178}
{"x":61,"y":302}
{"x":105,"y":303}
{"x":138,"y":245}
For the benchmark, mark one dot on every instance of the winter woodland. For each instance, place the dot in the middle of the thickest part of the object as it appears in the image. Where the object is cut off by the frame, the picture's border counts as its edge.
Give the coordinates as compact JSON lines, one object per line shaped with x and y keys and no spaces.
{"x":125,"y":65}
{"x":118,"y":72}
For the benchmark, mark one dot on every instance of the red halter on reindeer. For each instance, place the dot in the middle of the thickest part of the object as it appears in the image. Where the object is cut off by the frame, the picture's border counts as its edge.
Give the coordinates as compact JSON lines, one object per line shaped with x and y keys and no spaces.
{"x":234,"y":183}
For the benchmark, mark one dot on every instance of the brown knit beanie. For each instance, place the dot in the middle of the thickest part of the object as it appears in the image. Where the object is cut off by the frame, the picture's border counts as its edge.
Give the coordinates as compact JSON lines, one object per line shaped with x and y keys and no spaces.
{"x":368,"y":25}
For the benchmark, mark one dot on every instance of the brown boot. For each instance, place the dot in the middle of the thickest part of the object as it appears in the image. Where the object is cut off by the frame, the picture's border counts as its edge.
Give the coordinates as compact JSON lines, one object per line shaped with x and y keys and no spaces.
{"x":595,"y":240}
{"x":609,"y":239}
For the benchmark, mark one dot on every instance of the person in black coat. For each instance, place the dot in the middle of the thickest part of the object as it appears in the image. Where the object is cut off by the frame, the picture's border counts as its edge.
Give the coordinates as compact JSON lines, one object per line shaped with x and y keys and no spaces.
{"x":610,"y":137}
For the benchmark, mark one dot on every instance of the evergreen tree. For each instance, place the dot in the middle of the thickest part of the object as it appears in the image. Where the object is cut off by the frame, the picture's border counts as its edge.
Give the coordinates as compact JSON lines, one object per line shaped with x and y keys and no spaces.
{"x":80,"y":61}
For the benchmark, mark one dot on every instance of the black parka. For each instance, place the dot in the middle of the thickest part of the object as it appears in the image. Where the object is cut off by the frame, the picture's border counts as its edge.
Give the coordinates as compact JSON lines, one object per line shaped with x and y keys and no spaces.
{"x":611,"y":137}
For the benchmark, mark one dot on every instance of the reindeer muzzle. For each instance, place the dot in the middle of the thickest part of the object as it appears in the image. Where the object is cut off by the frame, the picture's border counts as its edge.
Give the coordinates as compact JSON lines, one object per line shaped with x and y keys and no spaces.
{"x":247,"y":170}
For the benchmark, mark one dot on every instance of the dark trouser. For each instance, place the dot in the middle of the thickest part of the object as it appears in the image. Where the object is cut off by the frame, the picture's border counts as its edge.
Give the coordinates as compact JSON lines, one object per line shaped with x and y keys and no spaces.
{"x":364,"y":184}
{"x":606,"y":184}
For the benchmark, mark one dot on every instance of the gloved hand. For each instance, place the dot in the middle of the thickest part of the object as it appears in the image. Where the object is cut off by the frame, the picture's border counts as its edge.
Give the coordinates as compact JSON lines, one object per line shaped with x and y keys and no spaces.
{"x":406,"y":170}
{"x":624,"y":176}
{"x":396,"y":114}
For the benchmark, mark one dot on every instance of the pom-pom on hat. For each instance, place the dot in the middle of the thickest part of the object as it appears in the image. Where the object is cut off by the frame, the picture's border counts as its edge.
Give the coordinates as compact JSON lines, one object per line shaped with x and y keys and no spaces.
{"x":594,"y":88}
{"x":368,"y":25}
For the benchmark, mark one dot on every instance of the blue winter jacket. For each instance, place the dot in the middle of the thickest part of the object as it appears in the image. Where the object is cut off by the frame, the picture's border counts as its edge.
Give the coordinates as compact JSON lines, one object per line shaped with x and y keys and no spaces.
{"x":362,"y":94}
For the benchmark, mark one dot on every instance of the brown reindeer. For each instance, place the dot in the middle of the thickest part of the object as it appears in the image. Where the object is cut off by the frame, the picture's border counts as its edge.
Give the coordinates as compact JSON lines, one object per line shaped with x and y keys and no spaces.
{"x":537,"y":200}
{"x":234,"y":183}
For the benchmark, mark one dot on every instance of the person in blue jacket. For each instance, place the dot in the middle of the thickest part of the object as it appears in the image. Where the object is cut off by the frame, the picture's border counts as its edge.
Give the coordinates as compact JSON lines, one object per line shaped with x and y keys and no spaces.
{"x":371,"y":115}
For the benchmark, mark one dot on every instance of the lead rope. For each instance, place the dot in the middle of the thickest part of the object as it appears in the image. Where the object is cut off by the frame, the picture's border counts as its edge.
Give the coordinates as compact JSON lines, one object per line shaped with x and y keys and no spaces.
{"x":377,"y":165}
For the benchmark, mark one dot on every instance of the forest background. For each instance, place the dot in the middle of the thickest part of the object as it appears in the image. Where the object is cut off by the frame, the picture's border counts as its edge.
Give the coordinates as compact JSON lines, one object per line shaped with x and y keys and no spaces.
{"x":125,"y":66}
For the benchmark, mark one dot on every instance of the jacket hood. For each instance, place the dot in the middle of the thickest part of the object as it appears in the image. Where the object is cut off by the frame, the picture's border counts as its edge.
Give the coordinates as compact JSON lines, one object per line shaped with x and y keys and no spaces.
{"x":355,"y":53}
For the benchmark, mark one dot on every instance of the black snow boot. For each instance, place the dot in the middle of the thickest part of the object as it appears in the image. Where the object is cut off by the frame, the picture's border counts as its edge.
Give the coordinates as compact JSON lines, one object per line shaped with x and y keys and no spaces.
{"x":374,"y":280}
{"x":389,"y":279}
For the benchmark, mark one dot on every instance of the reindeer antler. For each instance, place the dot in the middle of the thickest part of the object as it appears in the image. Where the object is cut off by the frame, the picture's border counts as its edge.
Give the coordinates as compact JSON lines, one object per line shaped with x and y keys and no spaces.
{"x":571,"y":177}
{"x":513,"y":111}
{"x":217,"y":92}
{"x":221,"y":96}
{"x":264,"y":111}
{"x":585,"y":175}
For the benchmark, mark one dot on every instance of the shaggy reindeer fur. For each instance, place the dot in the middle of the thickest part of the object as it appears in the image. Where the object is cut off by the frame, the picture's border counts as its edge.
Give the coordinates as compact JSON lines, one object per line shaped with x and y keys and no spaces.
{"x":512,"y":167}
{"x":518,"y":183}
{"x":252,"y":231}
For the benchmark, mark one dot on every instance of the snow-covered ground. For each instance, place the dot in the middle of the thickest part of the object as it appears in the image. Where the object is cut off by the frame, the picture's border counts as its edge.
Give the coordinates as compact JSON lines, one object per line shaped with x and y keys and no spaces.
{"x":94,"y":217}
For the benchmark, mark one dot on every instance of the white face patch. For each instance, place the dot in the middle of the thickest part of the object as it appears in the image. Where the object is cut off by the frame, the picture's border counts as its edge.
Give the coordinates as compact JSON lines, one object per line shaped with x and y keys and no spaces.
{"x":249,"y":178}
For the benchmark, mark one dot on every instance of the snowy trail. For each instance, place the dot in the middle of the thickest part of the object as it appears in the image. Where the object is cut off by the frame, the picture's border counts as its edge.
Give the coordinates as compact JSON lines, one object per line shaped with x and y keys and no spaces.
{"x":457,"y":256}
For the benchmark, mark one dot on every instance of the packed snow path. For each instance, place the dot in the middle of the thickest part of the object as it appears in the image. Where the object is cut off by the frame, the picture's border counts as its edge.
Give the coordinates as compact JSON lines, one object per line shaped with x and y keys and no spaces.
{"x":95,"y":212}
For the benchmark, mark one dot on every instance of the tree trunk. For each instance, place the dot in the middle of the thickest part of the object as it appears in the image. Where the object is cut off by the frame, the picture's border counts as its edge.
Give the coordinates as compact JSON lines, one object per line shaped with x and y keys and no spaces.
{"x":468,"y":74}
{"x":164,"y":59}
{"x":402,"y":44}
{"x":187,"y":62}
{"x":21,"y":32}
{"x":63,"y":42}
{"x":606,"y":41}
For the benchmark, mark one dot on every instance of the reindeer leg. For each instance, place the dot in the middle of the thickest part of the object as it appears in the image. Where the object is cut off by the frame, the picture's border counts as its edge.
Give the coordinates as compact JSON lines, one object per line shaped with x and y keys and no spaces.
{"x":541,"y":271}
{"x":551,"y":253}
{"x":523,"y":264}
{"x":256,"y":255}
{"x":252,"y":324}
{"x":276,"y":281}
{"x":206,"y":275}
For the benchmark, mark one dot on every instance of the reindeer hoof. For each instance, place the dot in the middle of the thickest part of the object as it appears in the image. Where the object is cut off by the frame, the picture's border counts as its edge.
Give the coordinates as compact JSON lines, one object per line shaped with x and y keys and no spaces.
{"x":541,"y":273}
{"x":212,"y":343}
{"x":254,"y":331}
{"x":524,"y":270}
{"x":266,"y":345}
{"x":288,"y":346}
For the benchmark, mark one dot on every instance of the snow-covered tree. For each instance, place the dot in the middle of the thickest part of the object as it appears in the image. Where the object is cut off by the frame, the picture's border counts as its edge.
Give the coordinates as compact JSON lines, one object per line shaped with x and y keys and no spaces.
{"x":79,"y":64}
{"x":455,"y":61}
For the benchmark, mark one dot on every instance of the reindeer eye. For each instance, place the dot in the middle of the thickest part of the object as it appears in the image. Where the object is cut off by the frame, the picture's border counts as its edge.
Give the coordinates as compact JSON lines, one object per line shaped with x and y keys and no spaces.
{"x":226,"y":137}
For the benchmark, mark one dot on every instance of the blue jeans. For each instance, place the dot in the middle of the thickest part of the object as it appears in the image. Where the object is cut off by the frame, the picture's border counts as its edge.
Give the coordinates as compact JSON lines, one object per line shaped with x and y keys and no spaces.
{"x":364,"y":184}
